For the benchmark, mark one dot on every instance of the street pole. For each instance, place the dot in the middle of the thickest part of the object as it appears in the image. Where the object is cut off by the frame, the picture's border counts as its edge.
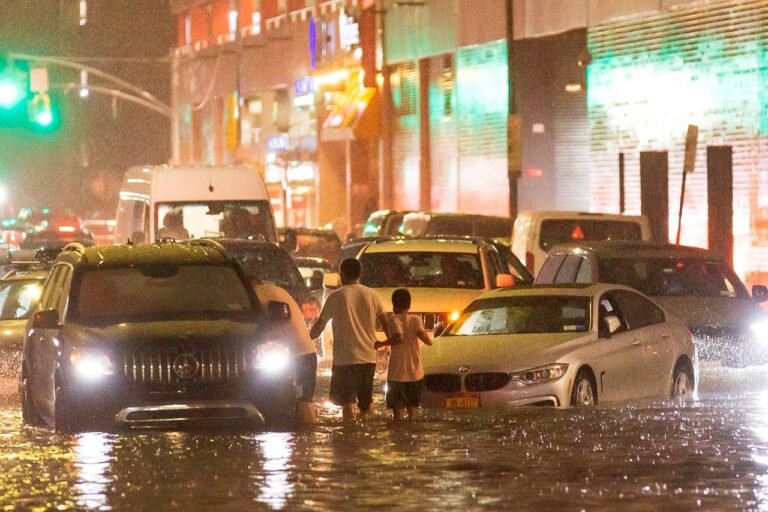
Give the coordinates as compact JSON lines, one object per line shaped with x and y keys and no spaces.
{"x":514,"y":149}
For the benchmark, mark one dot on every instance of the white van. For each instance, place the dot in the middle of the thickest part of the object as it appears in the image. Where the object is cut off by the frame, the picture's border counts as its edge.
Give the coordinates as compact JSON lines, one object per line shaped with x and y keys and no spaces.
{"x":193,"y":202}
{"x":535,"y":232}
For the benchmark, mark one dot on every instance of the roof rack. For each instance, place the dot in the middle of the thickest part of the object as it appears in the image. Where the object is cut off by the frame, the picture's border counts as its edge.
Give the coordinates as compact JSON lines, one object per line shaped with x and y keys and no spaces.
{"x":74,"y":247}
{"x":205,"y":242}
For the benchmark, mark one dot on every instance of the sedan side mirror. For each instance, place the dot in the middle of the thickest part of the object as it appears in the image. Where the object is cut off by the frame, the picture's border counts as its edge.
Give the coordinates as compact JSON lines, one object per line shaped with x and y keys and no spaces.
{"x":332,"y":280}
{"x":760,"y":293}
{"x":505,"y":281}
{"x":609,"y":325}
{"x":46,"y":319}
{"x":278,"y":311}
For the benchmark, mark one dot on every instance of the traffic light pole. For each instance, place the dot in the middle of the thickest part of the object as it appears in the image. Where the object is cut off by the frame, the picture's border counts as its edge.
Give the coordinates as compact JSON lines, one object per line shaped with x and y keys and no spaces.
{"x":139,"y":96}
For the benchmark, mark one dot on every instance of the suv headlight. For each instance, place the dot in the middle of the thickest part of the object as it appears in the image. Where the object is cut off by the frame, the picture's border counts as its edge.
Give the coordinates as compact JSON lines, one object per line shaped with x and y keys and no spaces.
{"x":90,"y":364}
{"x":541,"y":374}
{"x":272,"y":358}
{"x":760,"y":331}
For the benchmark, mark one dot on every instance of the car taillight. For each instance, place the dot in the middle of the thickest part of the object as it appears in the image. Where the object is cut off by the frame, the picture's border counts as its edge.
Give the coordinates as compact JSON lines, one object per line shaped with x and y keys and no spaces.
{"x":530,"y":262}
{"x":66,"y":229}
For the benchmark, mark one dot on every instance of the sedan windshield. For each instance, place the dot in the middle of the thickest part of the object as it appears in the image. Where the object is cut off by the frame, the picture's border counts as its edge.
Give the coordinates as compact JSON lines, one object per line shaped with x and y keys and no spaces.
{"x":162,"y":291}
{"x":18,"y":298}
{"x":524,"y":315}
{"x":422,"y":270}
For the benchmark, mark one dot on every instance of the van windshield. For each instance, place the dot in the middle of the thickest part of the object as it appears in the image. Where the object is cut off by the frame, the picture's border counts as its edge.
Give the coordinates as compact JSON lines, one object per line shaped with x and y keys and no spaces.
{"x":230,"y":219}
{"x":559,"y":231}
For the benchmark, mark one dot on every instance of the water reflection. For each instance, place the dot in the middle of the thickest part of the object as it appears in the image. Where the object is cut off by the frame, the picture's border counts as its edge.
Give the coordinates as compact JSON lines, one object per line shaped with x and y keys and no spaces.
{"x":92,"y":452}
{"x":273,"y":479}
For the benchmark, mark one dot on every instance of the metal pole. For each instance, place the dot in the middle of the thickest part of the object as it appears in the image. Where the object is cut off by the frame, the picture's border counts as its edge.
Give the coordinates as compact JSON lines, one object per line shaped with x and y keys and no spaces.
{"x":621,"y":183}
{"x":91,"y":70}
{"x":513,"y":172}
{"x":680,"y":211}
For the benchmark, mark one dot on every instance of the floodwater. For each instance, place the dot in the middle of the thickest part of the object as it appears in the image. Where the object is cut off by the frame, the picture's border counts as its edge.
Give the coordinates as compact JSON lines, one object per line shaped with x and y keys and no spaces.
{"x":709,"y":454}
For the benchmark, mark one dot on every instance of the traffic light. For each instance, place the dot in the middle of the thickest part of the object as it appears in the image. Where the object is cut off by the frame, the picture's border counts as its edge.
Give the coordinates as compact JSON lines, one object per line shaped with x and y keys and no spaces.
{"x":40,"y":112}
{"x":12,"y":91}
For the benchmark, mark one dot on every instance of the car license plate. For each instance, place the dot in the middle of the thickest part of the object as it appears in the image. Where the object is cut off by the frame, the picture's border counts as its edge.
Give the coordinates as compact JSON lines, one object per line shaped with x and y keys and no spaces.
{"x":462,"y":402}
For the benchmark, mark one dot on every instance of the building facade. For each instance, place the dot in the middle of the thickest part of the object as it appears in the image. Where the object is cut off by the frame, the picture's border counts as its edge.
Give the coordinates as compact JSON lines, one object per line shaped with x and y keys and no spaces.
{"x":592,"y":79}
{"x":287,"y":86}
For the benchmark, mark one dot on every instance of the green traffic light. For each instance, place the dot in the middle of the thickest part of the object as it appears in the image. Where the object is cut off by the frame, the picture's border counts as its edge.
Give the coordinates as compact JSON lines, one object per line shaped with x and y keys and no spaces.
{"x":10,"y":92}
{"x":44,"y":118}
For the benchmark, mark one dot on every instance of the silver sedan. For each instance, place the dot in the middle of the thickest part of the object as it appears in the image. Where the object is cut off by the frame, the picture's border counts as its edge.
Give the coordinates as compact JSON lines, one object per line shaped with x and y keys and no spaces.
{"x":559,"y":346}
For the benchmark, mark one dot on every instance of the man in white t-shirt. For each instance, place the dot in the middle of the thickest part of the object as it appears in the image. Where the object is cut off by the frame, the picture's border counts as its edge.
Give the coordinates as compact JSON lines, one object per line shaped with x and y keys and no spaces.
{"x":294,"y":332}
{"x":353,"y":310}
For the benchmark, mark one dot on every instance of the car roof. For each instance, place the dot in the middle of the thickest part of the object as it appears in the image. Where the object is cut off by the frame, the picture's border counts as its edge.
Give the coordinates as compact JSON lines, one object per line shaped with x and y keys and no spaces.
{"x":246,"y":242}
{"x":459,"y":245}
{"x":634,"y":249}
{"x":575,"y":289}
{"x":35,"y":273}
{"x":311,"y":260}
{"x":125,"y":255}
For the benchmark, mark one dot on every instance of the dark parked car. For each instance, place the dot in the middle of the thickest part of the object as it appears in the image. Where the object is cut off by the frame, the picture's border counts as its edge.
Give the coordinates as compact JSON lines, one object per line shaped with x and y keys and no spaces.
{"x":310,"y":243}
{"x":267,"y":261}
{"x":727,"y":323}
{"x":153,"y":335}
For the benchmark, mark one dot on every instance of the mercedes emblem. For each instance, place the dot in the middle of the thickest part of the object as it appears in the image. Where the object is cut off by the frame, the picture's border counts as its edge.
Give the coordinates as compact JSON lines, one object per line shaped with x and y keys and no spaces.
{"x":185,"y":366}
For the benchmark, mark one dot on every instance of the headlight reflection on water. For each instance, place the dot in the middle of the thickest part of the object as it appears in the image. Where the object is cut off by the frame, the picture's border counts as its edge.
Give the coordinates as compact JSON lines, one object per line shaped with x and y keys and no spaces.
{"x":275,"y":489}
{"x":92,"y":459}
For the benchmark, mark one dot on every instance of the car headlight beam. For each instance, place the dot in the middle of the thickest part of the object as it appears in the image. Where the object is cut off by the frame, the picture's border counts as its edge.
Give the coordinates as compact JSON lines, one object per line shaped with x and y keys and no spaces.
{"x":541,"y":374}
{"x":760,"y":331}
{"x":272,"y":358}
{"x":90,"y":365}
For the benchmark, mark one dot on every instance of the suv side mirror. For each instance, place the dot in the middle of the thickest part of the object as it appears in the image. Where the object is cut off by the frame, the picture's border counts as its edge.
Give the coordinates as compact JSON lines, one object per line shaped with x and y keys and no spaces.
{"x":505,"y":281}
{"x":332,"y":280}
{"x":609,"y":325}
{"x":438,"y":330}
{"x":760,"y":293}
{"x":46,"y":319}
{"x":278,"y":311}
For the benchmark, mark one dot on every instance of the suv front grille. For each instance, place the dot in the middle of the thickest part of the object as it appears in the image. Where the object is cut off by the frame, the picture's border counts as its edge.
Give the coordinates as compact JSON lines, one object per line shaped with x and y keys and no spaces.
{"x":442,"y":383}
{"x":485,"y":381}
{"x":155,"y":364}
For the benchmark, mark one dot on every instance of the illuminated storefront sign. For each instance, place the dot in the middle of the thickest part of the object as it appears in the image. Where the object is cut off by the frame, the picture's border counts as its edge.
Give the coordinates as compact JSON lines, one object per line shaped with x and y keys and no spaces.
{"x":278,"y":142}
{"x":349,"y":31}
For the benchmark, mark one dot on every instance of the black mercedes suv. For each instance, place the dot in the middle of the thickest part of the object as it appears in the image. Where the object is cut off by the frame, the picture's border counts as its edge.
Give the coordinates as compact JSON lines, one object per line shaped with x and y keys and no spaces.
{"x":164,"y":334}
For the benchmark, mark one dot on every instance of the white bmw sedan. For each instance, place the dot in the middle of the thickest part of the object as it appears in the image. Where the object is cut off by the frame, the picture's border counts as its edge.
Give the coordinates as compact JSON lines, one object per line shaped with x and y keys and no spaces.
{"x":560,"y":346}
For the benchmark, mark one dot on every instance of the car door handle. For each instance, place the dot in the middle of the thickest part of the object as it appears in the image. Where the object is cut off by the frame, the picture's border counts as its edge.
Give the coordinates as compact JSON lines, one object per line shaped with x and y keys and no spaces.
{"x":637,"y":342}
{"x":666,"y":335}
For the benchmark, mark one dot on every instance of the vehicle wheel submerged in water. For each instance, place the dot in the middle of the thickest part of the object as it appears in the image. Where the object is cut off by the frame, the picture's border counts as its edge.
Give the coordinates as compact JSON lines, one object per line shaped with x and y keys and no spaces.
{"x":584,"y":390}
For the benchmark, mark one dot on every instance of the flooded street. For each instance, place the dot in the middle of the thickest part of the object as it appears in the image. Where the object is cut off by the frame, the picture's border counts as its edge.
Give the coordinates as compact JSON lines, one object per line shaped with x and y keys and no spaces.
{"x":711,"y":454}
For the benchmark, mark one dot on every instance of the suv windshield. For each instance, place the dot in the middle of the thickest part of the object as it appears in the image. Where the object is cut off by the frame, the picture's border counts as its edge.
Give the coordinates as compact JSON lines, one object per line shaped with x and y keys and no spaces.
{"x":524,"y":315}
{"x":422,"y":269}
{"x":161,"y":291}
{"x":555,"y":232}
{"x":673,"y":277}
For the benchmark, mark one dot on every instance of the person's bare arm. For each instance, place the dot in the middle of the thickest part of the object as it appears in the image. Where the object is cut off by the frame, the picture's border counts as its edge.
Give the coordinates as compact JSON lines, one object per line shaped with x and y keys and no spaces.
{"x":424,"y":337}
{"x":382,"y":318}
{"x":318,"y":328}
{"x":396,"y":339}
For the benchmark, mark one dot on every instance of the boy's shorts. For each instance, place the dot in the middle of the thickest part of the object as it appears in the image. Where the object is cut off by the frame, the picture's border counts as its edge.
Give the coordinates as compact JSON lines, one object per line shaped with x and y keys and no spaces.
{"x":306,"y":375}
{"x":404,"y":394}
{"x":352,"y":383}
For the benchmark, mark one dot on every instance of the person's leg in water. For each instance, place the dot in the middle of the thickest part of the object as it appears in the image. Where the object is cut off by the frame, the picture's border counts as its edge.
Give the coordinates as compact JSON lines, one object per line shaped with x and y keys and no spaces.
{"x":412,"y":412}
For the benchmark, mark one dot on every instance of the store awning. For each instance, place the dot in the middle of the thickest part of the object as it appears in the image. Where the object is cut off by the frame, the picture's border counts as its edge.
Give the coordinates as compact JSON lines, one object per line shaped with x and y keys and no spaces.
{"x":354,"y":116}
